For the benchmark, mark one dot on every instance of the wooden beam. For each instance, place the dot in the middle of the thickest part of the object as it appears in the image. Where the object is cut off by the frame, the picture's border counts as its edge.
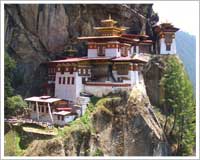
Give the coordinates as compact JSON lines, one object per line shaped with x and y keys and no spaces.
{"x":50,"y":113}
{"x":37,"y":109}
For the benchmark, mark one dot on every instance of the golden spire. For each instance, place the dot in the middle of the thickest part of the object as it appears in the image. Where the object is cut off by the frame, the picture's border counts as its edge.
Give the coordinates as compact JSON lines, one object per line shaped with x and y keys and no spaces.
{"x":109,"y":28}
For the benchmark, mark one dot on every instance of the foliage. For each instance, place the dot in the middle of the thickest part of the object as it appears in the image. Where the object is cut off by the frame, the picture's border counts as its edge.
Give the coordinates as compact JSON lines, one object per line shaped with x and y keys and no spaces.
{"x":15,"y":104}
{"x":10,"y":64}
{"x":83,"y":123}
{"x":11,"y":144}
{"x":179,"y":99}
{"x":98,"y":152}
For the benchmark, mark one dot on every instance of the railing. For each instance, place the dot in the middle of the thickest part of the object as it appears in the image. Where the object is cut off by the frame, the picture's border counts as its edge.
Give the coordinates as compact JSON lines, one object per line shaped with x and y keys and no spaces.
{"x":29,"y":121}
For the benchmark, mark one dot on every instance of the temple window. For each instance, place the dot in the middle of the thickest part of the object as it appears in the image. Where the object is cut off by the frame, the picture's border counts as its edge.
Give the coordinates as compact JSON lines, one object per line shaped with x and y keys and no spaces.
{"x":62,"y":70}
{"x":68,"y":80}
{"x":63,"y":80}
{"x":62,"y":118}
{"x":89,"y":71}
{"x":84,"y":71}
{"x":59,"y":80}
{"x":124,"y":51}
{"x":134,"y":49}
{"x":71,"y":70}
{"x":79,"y":71}
{"x":101,"y":50}
{"x":122,"y":69}
{"x":83,"y":80}
{"x":58,"y":68}
{"x":168,"y":47}
{"x":72,"y":80}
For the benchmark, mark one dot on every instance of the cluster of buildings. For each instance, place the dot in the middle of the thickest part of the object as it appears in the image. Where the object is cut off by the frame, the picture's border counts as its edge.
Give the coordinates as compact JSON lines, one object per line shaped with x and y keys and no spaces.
{"x":113,"y":63}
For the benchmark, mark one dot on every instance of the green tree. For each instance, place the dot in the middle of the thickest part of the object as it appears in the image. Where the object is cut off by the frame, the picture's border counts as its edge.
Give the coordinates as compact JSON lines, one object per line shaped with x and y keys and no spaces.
{"x":10,"y":65}
{"x":178,"y":96}
{"x":16,"y":105}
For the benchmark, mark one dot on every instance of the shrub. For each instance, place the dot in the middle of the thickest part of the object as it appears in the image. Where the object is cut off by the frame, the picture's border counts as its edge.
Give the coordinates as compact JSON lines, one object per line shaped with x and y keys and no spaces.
{"x":15,"y":105}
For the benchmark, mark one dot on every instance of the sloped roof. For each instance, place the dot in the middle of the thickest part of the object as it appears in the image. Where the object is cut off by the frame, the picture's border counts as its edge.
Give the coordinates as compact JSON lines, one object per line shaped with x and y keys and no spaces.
{"x":40,"y":99}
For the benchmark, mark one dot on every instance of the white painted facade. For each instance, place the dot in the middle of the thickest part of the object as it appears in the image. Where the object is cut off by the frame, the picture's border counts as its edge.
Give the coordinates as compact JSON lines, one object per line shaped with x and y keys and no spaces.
{"x":112,"y":52}
{"x":134,"y":77}
{"x":92,"y":53}
{"x":44,"y":117}
{"x":137,"y":49}
{"x":163,"y":47}
{"x":68,"y":91}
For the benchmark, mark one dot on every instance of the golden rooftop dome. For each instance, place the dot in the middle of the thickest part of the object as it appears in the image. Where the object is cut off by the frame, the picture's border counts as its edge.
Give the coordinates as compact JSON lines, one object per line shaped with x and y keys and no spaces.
{"x":109,"y":21}
{"x":109,"y":29}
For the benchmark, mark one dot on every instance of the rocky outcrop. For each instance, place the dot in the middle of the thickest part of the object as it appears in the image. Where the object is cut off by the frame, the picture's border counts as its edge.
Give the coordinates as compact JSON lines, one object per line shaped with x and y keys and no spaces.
{"x":122,"y":125}
{"x":153,"y":72}
{"x":36,"y":33}
{"x":53,"y":147}
{"x":130,"y":128}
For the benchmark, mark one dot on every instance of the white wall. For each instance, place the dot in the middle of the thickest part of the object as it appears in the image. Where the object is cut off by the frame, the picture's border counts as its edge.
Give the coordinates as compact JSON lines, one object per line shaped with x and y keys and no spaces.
{"x":46,"y":118}
{"x":67,"y":119}
{"x":92,"y":53}
{"x":137,"y":49}
{"x":163,"y":47}
{"x":68,"y":91}
{"x":134,"y":77}
{"x":79,"y":86}
{"x":112,"y":52}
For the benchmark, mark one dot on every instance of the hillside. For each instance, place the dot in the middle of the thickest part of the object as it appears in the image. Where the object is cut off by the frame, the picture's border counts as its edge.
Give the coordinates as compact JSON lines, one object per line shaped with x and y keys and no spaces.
{"x":186,"y":49}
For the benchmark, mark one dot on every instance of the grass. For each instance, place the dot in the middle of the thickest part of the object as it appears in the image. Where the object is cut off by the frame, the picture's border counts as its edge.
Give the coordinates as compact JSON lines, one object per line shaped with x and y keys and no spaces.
{"x":98,"y":152}
{"x":11,"y":144}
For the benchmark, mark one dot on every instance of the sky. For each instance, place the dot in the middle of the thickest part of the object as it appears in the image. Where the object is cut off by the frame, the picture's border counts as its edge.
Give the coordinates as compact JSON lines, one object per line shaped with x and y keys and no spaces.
{"x":182,"y":14}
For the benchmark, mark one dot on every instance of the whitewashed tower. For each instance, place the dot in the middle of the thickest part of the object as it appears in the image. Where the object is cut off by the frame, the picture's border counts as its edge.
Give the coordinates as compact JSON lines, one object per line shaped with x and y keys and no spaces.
{"x":166,"y":43}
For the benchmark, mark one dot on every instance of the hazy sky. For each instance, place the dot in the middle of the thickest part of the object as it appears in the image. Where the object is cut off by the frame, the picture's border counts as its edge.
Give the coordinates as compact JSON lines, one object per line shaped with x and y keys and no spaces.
{"x":182,"y":14}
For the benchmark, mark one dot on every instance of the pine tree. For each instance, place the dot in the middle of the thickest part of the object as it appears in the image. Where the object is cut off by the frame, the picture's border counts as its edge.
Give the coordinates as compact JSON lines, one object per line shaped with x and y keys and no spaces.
{"x":179,"y":98}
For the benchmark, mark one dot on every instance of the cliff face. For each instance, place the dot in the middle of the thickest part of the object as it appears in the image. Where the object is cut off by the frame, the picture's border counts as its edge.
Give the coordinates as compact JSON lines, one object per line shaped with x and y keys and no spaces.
{"x":125,"y":125}
{"x":153,"y":72}
{"x":37,"y":33}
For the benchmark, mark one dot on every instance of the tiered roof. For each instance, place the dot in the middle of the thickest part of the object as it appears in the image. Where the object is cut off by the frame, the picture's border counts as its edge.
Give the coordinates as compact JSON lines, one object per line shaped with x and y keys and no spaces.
{"x":165,"y":27}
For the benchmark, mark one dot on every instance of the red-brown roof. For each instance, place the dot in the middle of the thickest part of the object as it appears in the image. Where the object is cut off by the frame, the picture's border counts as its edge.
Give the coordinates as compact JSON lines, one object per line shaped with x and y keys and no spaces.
{"x":134,"y":59}
{"x":71,"y":60}
{"x":76,"y":59}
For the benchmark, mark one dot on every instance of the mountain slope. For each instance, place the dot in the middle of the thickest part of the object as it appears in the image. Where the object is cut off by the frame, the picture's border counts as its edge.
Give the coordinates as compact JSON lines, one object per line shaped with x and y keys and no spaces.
{"x":186,"y":49}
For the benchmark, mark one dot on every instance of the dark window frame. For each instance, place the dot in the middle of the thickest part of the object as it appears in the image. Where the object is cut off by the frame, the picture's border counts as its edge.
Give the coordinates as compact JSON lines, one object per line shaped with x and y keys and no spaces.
{"x":73,"y":80}
{"x":59,"y":80}
{"x":68,"y":80}
{"x":63,"y":80}
{"x":168,"y":47}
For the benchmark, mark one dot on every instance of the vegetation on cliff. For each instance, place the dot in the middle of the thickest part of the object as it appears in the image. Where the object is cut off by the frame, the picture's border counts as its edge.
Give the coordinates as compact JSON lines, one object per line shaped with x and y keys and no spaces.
{"x":178,"y":106}
{"x":14,"y":104}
